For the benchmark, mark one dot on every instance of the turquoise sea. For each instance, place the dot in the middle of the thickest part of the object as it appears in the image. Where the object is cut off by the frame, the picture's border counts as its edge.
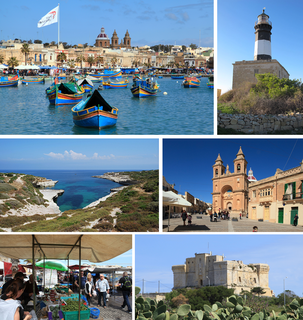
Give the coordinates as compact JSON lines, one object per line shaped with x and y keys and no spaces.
{"x":80,"y":189}
{"x":25,"y":110}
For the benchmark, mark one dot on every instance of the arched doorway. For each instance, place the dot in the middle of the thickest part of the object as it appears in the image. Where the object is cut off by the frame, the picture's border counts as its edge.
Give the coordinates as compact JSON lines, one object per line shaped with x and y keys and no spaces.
{"x":227,"y":198}
{"x":229,"y":206}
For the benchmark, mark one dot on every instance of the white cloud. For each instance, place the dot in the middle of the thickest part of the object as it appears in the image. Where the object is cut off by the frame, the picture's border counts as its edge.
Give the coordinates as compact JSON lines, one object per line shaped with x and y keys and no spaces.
{"x":72,"y":155}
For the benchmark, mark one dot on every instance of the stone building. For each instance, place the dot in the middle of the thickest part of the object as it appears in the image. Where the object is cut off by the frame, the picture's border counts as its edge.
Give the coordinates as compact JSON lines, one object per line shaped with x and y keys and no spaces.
{"x":212,"y":270}
{"x":278,"y":198}
{"x":230,"y":190}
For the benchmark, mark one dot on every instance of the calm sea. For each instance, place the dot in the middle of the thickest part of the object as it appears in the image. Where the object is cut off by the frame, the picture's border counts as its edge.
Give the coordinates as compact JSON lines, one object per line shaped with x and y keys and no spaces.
{"x":80,"y":189}
{"x":26,"y":110}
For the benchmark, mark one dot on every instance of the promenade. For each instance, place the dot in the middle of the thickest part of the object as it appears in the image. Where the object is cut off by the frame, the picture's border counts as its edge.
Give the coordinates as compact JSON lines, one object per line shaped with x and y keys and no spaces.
{"x":201,"y":223}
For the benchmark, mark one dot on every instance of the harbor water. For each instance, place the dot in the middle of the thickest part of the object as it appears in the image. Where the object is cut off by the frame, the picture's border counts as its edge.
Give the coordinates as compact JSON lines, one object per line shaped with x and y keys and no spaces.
{"x":25,"y":110}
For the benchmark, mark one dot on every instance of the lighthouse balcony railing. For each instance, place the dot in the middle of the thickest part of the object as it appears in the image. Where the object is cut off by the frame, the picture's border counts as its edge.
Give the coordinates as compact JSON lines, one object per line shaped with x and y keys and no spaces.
{"x":263,"y":22}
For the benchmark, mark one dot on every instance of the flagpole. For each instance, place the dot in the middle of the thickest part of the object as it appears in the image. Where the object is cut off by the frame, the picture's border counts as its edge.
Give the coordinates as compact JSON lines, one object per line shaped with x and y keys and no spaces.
{"x":58,"y":23}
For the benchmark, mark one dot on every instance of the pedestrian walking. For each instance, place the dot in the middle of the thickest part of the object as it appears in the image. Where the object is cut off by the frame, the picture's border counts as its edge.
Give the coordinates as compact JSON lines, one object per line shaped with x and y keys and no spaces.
{"x":183,"y":216}
{"x":296,"y":218}
{"x":126,"y":287}
{"x":189,"y":219}
{"x":102,"y":288}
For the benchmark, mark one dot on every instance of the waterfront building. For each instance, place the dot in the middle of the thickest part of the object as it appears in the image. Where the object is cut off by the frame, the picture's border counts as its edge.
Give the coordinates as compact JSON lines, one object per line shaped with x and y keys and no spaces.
{"x":245,"y":71}
{"x":212,"y":270}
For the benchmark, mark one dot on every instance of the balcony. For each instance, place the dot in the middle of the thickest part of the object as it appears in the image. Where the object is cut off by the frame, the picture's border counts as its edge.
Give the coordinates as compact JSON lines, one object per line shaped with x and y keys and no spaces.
{"x":293,"y":197}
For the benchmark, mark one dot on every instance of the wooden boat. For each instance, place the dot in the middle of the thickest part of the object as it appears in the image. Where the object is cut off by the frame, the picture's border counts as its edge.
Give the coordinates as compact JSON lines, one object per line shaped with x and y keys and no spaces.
{"x":160,"y":77}
{"x":142,"y":88}
{"x":86,"y":84}
{"x":191,"y":82}
{"x":176,"y":76}
{"x":210,"y":83}
{"x":107,"y":74}
{"x":33,"y":80}
{"x":62,"y":76}
{"x":94,"y":112}
{"x":9,"y":81}
{"x":115,"y":84}
{"x":95,"y":78}
{"x":65,"y":93}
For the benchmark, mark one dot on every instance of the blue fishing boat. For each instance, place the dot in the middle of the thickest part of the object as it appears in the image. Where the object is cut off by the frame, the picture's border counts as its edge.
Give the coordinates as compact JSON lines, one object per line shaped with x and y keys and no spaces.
{"x":142,"y":88}
{"x":107,"y":74}
{"x":115,"y":84}
{"x":191,"y":82}
{"x":65,"y":93}
{"x":86,"y":84}
{"x":94,"y":112}
{"x":33,"y":80}
{"x":210,"y":83}
{"x":176,"y":76}
{"x":9,"y":82}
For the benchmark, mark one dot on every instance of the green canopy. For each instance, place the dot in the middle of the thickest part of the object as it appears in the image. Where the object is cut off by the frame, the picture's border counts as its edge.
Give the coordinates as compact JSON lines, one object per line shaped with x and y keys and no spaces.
{"x":52,"y":264}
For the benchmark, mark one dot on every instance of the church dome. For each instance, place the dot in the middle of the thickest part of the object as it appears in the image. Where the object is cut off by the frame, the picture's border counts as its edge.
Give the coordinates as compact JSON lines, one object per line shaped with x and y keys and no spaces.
{"x":102,"y":35}
{"x":251,"y":176}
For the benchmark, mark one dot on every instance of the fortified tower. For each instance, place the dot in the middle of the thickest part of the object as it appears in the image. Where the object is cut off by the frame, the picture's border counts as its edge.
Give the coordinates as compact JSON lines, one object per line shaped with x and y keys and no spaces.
{"x":230,"y":190}
{"x":263,"y":40}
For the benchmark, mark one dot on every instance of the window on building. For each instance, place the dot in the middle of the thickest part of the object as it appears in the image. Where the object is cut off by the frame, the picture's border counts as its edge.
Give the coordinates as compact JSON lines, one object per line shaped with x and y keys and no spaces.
{"x":201,"y":282}
{"x":255,"y":280}
{"x":266,"y":192}
{"x":289,"y":191}
{"x":256,"y":71}
{"x":51,"y":57}
{"x":239,"y":279}
{"x":254,"y":193}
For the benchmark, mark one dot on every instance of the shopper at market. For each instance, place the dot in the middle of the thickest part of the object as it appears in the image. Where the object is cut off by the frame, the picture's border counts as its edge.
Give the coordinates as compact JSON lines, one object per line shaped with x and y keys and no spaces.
{"x":28,"y":291}
{"x":102,"y":288}
{"x":10,"y":307}
{"x":80,"y":283}
{"x":18,"y":275}
{"x":89,"y":288}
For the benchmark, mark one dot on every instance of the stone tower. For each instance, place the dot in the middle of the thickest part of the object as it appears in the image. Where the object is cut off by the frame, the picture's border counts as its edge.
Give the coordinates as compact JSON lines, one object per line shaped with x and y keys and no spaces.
{"x":127,"y":40}
{"x":115,"y":40}
{"x":230,"y":190}
{"x":263,"y":40}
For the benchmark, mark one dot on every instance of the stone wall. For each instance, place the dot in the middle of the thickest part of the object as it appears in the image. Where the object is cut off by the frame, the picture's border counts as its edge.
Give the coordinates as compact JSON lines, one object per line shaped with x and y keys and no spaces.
{"x":260,"y":124}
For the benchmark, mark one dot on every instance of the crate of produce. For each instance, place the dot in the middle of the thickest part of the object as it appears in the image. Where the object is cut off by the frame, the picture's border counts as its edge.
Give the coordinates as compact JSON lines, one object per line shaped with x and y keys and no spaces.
{"x":73,"y":315}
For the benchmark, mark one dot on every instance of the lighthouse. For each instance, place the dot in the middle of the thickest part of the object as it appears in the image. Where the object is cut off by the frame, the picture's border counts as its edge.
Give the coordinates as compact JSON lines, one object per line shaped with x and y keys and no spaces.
{"x":262,"y":41}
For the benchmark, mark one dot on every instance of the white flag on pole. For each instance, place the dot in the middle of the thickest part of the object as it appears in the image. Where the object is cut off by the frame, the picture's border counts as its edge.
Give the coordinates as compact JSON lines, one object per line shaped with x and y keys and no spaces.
{"x":51,"y":17}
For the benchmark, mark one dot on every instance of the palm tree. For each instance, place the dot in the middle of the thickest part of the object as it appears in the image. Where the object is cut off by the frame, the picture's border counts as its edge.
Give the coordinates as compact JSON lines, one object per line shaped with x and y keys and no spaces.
{"x":13,"y":62}
{"x":61,"y":57}
{"x":257,"y":290}
{"x":80,"y":59}
{"x":25,"y":51}
{"x":71,"y":63}
{"x":1,"y":58}
{"x":90,"y":60}
{"x":99,"y":60}
{"x":114,"y":61}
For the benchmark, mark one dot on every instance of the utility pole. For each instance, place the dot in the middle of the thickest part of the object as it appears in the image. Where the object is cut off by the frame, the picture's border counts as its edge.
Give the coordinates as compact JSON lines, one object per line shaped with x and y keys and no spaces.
{"x":159,"y":286}
{"x":142,"y":286}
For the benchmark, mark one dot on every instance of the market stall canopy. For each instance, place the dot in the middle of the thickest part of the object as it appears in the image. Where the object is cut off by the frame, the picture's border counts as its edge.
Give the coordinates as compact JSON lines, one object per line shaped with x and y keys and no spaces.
{"x":52,"y":264}
{"x":94,"y":248}
{"x":76,"y":267}
{"x":170,"y":198}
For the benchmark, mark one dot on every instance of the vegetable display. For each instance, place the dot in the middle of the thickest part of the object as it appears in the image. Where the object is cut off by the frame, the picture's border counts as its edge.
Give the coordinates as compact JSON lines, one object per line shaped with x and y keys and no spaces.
{"x":73,"y":305}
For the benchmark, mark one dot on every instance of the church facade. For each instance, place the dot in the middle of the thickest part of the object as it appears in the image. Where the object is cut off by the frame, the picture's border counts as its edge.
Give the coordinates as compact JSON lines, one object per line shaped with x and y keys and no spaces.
{"x":103,"y":40}
{"x":212,"y":270}
{"x":230,"y":189}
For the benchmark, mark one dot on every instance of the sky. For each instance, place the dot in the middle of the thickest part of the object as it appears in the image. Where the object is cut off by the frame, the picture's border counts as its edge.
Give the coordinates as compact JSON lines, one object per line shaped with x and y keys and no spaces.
{"x":188,"y":162}
{"x":156,"y":254}
{"x":236,"y":37}
{"x":79,"y":154}
{"x":148,"y":22}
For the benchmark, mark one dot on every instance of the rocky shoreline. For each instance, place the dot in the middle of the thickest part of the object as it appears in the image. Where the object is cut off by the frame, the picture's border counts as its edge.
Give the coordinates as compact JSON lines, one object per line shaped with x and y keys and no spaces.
{"x":117,"y":177}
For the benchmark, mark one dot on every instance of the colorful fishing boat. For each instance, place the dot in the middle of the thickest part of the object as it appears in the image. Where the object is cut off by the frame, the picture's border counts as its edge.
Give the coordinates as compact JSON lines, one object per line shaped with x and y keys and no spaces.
{"x":86,"y":84}
{"x":62,"y":76}
{"x":142,"y":88}
{"x":107,"y":74}
{"x":33,"y":80}
{"x":115,"y":84}
{"x":95,"y":78}
{"x":9,"y":81}
{"x":65,"y":93}
{"x":94,"y":112}
{"x":210,"y":83}
{"x":176,"y":76}
{"x":191,"y":82}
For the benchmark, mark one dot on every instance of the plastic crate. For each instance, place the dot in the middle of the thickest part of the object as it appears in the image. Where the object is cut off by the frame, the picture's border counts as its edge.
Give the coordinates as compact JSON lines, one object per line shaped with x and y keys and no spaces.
{"x":73,"y":315}
{"x":94,"y":313}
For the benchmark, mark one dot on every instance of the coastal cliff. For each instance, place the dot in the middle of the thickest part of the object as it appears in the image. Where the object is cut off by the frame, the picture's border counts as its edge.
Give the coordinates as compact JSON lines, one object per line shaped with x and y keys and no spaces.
{"x":118,"y":177}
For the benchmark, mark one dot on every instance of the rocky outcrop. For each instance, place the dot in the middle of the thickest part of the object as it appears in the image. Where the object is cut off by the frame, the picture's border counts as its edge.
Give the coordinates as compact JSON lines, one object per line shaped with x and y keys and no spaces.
{"x":118,"y":177}
{"x":261,"y":124}
{"x":47,"y":183}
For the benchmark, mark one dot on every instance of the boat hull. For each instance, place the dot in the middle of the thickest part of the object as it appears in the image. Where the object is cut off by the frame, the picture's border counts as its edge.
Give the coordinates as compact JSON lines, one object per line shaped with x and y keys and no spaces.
{"x":94,"y":118}
{"x":114,"y":85}
{"x":210,"y":85}
{"x":177,"y":77}
{"x":143,"y":92}
{"x":87,"y":87}
{"x":61,"y":98}
{"x":191,"y":84}
{"x":12,"y":83}
{"x":25,"y":81}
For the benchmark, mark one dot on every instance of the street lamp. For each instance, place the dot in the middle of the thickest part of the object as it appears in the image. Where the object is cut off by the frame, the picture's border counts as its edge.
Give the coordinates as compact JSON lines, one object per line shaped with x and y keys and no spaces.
{"x":284,"y":288}
{"x":208,"y":281}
